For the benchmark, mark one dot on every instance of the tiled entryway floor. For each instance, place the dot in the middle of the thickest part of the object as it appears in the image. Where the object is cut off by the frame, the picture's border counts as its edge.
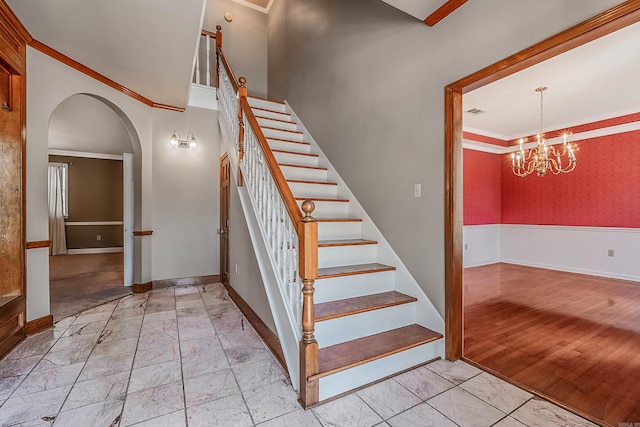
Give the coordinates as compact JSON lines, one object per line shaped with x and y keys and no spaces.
{"x":186,"y":356}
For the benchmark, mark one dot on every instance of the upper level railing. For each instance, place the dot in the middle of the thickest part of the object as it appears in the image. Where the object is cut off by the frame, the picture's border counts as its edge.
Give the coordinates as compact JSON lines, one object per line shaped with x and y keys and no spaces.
{"x":291,"y":237}
{"x":205,"y":72}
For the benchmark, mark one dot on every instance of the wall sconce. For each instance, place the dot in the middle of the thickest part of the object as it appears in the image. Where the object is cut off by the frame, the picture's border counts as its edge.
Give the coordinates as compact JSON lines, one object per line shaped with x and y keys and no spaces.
{"x":190,"y":142}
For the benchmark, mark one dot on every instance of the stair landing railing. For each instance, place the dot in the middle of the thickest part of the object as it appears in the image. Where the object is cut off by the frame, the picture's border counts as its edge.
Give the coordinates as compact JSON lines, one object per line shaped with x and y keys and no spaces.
{"x":291,"y":234}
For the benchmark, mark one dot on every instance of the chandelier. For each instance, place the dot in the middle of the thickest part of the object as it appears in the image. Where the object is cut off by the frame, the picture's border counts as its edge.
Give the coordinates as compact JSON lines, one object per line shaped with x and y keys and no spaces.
{"x":543,"y":157}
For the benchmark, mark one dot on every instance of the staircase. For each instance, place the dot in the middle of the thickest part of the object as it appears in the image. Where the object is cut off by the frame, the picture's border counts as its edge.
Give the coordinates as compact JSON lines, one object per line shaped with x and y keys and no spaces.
{"x":346,"y":309}
{"x":365,"y":327}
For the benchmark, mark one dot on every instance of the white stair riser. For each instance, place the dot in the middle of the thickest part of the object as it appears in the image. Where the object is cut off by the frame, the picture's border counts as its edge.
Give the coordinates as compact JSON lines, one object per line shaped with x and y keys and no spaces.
{"x":276,"y":133}
{"x":339,"y":230}
{"x":296,"y":159}
{"x":334,"y":256}
{"x":288,"y":146}
{"x":271,"y":114}
{"x":300,"y":189}
{"x":358,"y":376}
{"x":305,"y":174}
{"x":267,"y":105}
{"x":279,"y":124}
{"x":348,"y":328}
{"x":353,"y":286}
{"x":329,"y":209}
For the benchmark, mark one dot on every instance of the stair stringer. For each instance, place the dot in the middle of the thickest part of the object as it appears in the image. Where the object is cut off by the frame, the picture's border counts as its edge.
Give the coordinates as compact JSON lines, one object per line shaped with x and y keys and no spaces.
{"x":288,"y":332}
{"x":426,"y":313}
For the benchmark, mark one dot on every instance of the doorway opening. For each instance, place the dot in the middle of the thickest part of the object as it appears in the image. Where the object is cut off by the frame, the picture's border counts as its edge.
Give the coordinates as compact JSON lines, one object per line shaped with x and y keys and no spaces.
{"x":613,"y":412}
{"x":90,"y":205}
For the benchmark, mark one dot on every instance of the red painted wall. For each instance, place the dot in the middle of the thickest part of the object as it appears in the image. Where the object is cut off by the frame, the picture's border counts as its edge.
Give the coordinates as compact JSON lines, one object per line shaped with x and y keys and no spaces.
{"x":481,"y":187}
{"x":603,"y":190}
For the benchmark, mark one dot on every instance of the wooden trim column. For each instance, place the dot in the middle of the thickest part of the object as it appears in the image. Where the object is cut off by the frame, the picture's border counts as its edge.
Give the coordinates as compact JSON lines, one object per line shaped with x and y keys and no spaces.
{"x":218,"y":47}
{"x":308,"y":268}
{"x":242,"y":93}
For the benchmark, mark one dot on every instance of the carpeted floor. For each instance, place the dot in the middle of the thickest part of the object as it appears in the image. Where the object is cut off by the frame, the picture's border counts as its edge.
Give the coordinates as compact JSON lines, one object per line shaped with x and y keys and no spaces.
{"x":80,"y":282}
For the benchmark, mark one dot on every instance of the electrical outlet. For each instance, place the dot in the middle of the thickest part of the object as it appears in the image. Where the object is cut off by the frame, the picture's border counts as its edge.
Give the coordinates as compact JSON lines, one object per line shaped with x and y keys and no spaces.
{"x":98,"y":237}
{"x":417,"y":190}
{"x":236,"y":269}
{"x":611,"y":252}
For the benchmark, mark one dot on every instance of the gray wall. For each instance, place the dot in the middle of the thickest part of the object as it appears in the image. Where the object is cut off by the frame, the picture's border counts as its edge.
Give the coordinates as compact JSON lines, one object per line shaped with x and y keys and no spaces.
{"x":244,"y":41}
{"x":368,"y":82}
{"x":248,"y":281}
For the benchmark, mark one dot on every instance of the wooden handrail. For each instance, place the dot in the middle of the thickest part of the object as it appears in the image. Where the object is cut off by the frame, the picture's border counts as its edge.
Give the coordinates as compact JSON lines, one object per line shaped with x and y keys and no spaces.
{"x":227,"y":67}
{"x":306,"y":229}
{"x":281,"y":183}
{"x":208,"y":33}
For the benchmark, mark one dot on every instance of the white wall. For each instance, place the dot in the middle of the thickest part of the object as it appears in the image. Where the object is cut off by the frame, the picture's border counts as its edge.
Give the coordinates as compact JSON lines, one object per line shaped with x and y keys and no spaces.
{"x":49,"y":82}
{"x":186,"y":195}
{"x":574,"y":249}
{"x":481,"y":244}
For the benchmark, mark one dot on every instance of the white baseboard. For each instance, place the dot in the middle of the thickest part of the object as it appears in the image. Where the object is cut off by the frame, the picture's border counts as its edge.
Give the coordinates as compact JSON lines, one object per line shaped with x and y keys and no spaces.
{"x":484,"y":262}
{"x":94,"y":251}
{"x":573,"y":270}
{"x":573,"y":249}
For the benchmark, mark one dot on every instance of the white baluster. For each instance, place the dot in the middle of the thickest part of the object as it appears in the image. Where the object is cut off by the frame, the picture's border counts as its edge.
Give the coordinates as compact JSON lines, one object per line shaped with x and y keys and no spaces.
{"x":208,"y":39}
{"x":198,"y":64}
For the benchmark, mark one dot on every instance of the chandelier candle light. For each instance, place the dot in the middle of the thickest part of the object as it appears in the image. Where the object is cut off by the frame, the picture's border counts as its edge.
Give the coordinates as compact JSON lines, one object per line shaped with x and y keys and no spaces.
{"x":544,"y":157}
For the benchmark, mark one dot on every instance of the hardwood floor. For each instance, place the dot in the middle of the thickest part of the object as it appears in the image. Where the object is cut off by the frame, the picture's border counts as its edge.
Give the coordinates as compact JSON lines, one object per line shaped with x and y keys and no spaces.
{"x":80,"y":282}
{"x":570,"y":337}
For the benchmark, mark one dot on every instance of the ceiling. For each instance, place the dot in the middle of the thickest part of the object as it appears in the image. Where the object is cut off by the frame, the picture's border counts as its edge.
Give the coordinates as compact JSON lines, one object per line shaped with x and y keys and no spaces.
{"x":598,"y":80}
{"x":417,"y":8}
{"x":146,"y":45}
{"x":84,"y":123}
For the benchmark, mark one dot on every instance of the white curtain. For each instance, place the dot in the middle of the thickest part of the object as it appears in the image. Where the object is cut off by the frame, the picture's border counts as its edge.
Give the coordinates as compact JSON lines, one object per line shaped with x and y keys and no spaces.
{"x":56,"y":214}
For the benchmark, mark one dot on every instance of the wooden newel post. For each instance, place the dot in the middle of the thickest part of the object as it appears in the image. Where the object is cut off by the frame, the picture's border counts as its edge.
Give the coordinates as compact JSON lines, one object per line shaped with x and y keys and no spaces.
{"x":242,"y":93}
{"x":308,"y":268}
{"x":218,"y":46}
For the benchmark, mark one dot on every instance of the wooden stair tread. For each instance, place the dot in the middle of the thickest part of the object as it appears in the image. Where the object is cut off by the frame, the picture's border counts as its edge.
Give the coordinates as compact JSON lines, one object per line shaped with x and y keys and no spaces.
{"x":356,"y":305}
{"x":354,"y":353}
{"x":286,"y":140}
{"x":276,"y":120}
{"x":322,"y":199}
{"x":350,"y":270}
{"x":270,"y":111}
{"x":291,"y":165}
{"x":265,"y":99}
{"x":295,"y":152}
{"x":345,"y":242}
{"x":282,"y":130}
{"x":304,"y":181}
{"x":338,"y":219}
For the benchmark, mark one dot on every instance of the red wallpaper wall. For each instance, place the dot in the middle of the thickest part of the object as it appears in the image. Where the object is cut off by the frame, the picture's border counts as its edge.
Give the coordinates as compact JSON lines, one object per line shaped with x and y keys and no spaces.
{"x":481,"y":187}
{"x":603,"y":190}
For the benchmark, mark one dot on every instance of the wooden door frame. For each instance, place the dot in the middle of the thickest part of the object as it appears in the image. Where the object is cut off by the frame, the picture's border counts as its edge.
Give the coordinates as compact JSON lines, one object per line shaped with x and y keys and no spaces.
{"x":224,"y":278}
{"x":617,"y":17}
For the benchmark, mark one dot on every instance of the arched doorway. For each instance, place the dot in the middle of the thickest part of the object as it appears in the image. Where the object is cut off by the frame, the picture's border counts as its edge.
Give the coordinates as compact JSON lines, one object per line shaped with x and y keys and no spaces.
{"x":92,"y":175}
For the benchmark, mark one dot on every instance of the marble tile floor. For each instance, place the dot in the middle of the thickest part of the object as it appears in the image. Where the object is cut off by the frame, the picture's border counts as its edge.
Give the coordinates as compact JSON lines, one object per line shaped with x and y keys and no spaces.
{"x":186,"y":356}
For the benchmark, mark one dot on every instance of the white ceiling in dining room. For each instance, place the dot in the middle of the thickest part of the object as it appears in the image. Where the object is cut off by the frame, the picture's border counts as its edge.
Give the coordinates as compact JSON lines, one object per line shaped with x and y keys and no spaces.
{"x":598,"y":80}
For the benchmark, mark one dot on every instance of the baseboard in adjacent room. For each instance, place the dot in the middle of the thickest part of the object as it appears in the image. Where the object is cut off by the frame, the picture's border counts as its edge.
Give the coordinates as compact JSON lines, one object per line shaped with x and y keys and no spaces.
{"x":94,"y":251}
{"x":40,"y":324}
{"x":186,"y":281}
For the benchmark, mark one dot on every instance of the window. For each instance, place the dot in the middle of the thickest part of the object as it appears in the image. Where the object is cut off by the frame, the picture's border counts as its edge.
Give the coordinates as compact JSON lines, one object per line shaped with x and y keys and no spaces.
{"x":63,"y":170}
